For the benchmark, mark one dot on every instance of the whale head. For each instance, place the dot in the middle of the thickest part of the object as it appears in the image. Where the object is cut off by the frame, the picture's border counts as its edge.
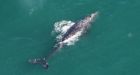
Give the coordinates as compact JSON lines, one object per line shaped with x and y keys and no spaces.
{"x":92,"y":17}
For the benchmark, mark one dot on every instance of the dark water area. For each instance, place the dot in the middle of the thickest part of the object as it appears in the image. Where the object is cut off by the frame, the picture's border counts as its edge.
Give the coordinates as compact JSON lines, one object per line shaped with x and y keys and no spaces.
{"x":110,"y":47}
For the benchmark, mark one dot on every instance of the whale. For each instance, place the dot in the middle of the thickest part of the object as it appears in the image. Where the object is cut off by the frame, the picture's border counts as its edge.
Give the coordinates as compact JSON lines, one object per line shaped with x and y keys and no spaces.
{"x":79,"y":27}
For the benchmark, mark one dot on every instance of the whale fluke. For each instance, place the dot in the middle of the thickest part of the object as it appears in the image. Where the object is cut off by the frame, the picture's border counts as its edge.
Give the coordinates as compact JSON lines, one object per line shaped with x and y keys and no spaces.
{"x":44,"y":61}
{"x":41,"y":61}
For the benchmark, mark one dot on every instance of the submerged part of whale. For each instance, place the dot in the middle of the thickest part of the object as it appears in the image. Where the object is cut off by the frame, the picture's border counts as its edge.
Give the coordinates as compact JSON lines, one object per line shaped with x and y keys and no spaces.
{"x":68,"y":33}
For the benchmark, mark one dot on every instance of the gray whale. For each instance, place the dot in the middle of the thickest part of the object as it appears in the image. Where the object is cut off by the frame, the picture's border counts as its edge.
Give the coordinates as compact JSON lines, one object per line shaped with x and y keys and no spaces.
{"x":81,"y":25}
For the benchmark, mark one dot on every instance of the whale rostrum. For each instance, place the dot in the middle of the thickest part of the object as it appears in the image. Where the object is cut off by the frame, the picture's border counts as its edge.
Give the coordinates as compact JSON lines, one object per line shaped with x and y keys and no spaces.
{"x":78,"y":28}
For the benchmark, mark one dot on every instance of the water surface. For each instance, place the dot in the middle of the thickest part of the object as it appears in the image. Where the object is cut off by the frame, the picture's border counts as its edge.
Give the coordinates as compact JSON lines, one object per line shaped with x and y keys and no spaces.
{"x":110,"y":47}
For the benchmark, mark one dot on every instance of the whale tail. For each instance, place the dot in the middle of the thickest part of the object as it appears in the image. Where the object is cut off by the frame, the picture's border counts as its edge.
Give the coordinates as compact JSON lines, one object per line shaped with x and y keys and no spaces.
{"x":42,"y":61}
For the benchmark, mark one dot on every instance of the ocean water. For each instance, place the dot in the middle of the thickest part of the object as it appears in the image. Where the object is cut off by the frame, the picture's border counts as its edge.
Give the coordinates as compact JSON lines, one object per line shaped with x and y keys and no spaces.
{"x":110,"y":47}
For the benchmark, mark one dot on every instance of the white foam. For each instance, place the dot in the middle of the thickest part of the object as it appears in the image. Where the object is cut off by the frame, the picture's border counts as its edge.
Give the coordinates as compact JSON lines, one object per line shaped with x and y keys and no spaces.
{"x":61,"y":27}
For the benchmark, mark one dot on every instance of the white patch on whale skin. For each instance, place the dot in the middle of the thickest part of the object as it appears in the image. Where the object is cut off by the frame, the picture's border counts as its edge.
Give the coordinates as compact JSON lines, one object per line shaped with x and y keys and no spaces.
{"x":74,"y":38}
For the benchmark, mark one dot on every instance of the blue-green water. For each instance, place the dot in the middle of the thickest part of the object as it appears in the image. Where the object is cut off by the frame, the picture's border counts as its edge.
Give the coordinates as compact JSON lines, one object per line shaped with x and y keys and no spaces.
{"x":110,"y":47}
